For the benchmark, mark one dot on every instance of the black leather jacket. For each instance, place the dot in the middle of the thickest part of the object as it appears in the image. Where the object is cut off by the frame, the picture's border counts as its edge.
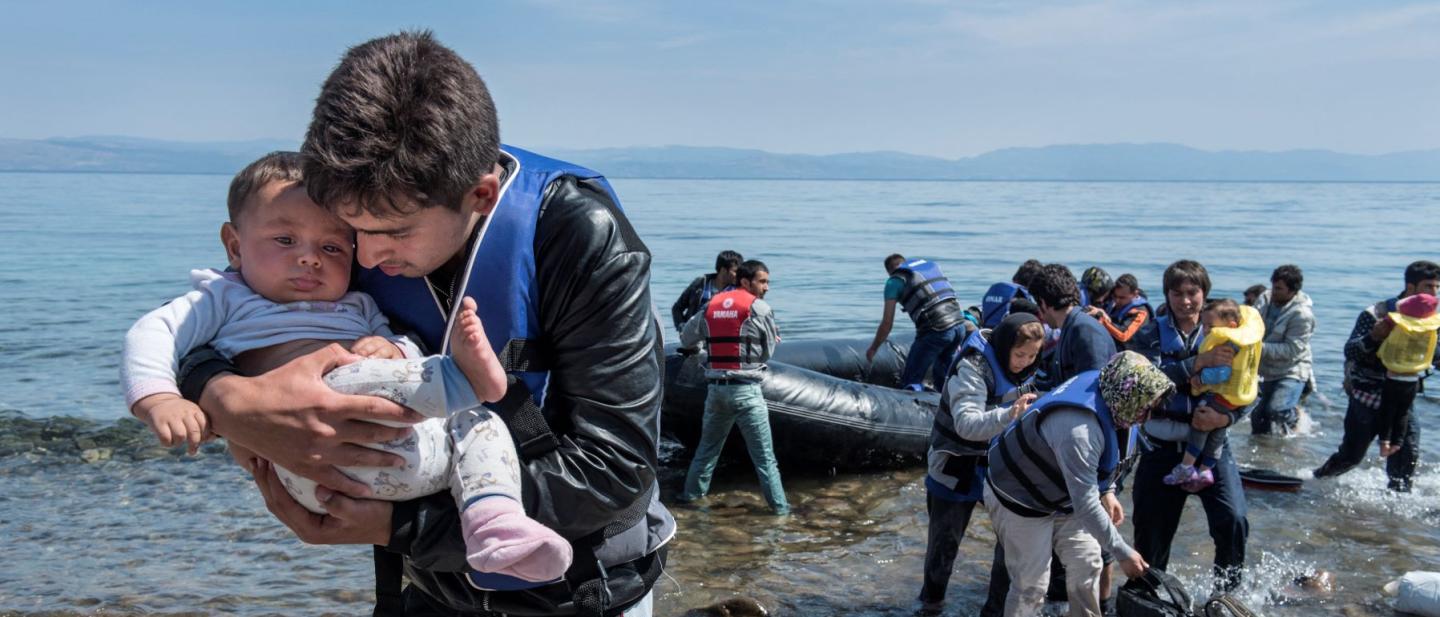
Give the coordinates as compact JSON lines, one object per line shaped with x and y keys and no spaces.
{"x":602,"y":340}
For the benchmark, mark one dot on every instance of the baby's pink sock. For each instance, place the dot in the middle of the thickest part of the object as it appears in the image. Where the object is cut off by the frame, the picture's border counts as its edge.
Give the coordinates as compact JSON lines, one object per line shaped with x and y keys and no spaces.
{"x":500,"y":539}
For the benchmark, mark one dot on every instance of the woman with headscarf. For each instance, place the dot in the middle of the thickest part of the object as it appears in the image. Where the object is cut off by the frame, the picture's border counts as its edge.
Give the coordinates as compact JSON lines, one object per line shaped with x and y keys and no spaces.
{"x":1047,"y":473}
{"x":986,"y":390}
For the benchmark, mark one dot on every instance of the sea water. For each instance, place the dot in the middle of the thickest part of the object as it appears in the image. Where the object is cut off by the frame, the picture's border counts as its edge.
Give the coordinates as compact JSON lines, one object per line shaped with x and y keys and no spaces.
{"x":95,"y":518}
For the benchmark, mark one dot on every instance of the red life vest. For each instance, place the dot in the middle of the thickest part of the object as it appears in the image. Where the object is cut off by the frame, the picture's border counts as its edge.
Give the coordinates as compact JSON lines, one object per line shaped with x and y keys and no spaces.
{"x":724,"y":317}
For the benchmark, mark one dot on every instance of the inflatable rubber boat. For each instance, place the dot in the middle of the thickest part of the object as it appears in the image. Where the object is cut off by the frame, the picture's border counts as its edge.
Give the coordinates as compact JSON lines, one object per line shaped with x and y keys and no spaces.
{"x":829,"y":407}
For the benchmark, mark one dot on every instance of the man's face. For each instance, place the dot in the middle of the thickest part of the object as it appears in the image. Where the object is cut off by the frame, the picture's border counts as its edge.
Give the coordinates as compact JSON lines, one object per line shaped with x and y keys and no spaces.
{"x":411,"y":245}
{"x":1053,"y":317}
{"x":413,"y":241}
{"x":1427,"y":286}
{"x":758,"y":285}
{"x":1185,"y":300}
{"x":1280,"y":293}
{"x":726,"y":276}
{"x":1122,"y":295}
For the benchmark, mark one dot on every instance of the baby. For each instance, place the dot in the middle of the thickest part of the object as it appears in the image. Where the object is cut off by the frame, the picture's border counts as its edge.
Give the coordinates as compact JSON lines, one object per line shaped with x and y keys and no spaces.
{"x":1407,"y":351}
{"x":286,"y":295}
{"x":1202,"y":448}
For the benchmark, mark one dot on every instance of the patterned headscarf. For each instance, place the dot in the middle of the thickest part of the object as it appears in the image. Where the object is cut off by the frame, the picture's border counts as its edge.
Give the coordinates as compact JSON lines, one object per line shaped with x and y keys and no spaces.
{"x":1132,"y":387}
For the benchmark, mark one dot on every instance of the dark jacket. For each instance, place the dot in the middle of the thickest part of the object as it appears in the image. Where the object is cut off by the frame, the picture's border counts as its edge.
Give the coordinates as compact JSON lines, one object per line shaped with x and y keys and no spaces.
{"x":692,"y":300}
{"x":1084,"y":345}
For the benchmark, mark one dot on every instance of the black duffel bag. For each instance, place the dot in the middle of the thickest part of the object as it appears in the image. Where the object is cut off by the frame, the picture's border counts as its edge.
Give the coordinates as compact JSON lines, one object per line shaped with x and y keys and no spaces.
{"x":1226,"y":605}
{"x":1156,"y":594}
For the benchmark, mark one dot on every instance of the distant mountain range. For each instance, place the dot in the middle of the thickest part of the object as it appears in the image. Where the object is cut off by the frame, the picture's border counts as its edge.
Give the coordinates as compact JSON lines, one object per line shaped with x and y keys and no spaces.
{"x":1099,"y":162}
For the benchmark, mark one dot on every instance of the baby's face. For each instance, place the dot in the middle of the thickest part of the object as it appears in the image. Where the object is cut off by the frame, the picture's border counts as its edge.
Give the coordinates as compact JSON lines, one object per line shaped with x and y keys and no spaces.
{"x":289,"y":249}
{"x":1214,"y":320}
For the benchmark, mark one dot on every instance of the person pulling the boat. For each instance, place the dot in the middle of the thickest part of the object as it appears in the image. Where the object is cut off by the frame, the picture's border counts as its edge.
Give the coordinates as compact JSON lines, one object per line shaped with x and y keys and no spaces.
{"x":923,"y":292}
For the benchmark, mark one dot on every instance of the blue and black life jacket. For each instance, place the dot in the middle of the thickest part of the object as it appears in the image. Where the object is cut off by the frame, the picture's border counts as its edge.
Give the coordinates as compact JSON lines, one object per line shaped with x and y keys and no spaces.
{"x":1117,"y":313}
{"x":928,"y":298}
{"x":1024,"y":473}
{"x":1181,"y":405}
{"x":996,"y":304}
{"x":500,"y":276}
{"x":965,"y":455}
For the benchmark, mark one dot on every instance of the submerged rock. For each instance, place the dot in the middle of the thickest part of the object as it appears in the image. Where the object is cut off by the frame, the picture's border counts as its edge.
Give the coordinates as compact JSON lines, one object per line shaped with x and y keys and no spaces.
{"x":734,"y":607}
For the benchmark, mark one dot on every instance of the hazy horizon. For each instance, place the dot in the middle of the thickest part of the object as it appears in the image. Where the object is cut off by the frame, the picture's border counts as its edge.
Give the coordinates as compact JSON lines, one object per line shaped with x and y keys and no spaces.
{"x":927,"y":77}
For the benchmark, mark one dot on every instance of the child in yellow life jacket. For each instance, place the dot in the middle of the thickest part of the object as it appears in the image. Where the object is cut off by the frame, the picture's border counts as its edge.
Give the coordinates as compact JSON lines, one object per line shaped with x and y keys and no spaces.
{"x":1407,"y":351}
{"x":1225,"y":388}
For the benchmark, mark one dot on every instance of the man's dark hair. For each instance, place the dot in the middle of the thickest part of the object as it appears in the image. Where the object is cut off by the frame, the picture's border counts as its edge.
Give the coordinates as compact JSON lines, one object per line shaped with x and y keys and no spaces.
{"x":1291,"y":274}
{"x":402,"y":116}
{"x":1026,"y":272}
{"x":1021,"y":305}
{"x":893,"y":261}
{"x":1421,"y":271}
{"x":278,"y":166}
{"x":1055,"y":285}
{"x":727,"y":260}
{"x":749,"y":269}
{"x":1130,"y":282}
{"x":1186,"y":271}
{"x":1224,"y":308}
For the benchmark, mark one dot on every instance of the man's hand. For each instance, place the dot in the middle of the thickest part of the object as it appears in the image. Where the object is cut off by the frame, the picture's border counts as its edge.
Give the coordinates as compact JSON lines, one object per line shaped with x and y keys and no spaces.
{"x":1382,"y":329}
{"x":174,"y":420}
{"x":1113,"y":508}
{"x":348,"y":521}
{"x":1134,"y":566}
{"x":1219,"y":356}
{"x":870,"y":353}
{"x":376,"y":347}
{"x":290,"y":417}
{"x":1021,"y":404}
{"x":1207,"y":419}
{"x":1096,"y":313}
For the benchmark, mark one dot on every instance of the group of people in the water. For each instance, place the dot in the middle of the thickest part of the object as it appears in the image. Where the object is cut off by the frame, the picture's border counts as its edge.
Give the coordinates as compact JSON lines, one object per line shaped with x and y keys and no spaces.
{"x":1054,"y":390}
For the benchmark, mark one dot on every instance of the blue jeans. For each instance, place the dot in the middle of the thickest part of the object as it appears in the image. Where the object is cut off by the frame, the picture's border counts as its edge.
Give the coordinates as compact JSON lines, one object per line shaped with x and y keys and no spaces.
{"x":725,"y":406}
{"x":931,"y":348}
{"x":1276,"y":407}
{"x":1158,"y":508}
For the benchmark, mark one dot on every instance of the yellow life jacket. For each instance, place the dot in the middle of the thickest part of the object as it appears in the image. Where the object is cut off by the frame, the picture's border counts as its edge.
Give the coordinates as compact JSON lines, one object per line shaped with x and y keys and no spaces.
{"x":1249,"y":337}
{"x":1410,"y":347}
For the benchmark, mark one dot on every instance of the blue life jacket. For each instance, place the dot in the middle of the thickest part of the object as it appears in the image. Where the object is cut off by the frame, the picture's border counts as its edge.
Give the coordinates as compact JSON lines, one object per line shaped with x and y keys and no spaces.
{"x":928,"y":298}
{"x":1024,"y":474}
{"x":1084,"y":391}
{"x":500,"y":276}
{"x":1118,"y":313}
{"x":996,"y":304}
{"x":965,"y":458}
{"x":1084,"y":297}
{"x":1181,"y":405}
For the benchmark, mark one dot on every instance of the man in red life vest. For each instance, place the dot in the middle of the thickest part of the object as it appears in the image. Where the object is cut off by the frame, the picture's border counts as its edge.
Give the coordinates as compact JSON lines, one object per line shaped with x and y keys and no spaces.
{"x":739,"y":332}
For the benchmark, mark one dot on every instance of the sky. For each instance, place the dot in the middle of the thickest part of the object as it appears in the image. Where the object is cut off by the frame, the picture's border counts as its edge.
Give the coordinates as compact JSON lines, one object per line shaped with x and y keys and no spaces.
{"x":949,"y":79}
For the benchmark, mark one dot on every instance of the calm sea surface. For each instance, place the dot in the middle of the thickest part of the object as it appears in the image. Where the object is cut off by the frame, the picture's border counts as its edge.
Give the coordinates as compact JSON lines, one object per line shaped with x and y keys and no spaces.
{"x":96,"y":519}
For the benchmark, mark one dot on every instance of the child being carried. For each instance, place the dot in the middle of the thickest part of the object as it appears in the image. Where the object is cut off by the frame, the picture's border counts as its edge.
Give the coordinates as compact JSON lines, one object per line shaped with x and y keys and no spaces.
{"x":287,"y":294}
{"x":1224,"y":388}
{"x":1407,"y":352}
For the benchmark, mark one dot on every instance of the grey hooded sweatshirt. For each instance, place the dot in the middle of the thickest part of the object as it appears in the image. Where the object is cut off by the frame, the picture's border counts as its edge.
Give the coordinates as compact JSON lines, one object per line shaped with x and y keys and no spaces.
{"x":1287,"y":337}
